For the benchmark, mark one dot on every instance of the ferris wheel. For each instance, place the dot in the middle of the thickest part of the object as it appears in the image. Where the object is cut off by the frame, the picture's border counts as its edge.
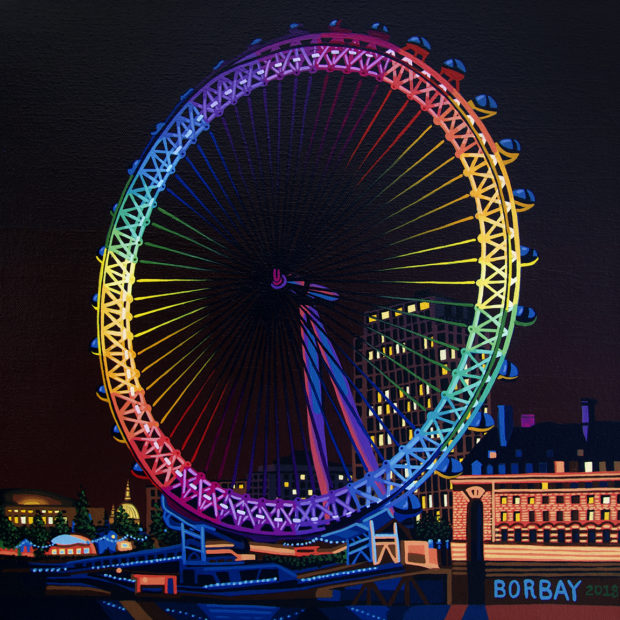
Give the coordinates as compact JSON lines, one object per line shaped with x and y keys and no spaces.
{"x":277,"y":243}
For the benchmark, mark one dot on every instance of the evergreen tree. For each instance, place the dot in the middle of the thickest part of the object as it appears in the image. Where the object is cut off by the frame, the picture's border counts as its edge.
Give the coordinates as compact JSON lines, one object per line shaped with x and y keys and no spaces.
{"x":38,"y":534}
{"x":82,"y":522}
{"x":60,"y":525}
{"x":124,"y":525}
{"x":160,"y":532}
{"x":9,"y":532}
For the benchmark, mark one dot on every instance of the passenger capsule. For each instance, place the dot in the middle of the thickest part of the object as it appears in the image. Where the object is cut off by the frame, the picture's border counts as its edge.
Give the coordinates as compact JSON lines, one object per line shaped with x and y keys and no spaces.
{"x":117,"y":435}
{"x":454,"y":71}
{"x":524,"y":199}
{"x":295,"y":27}
{"x":450,"y":468}
{"x":114,"y":208}
{"x":529,"y":256}
{"x":508,"y":372}
{"x":417,"y":46}
{"x":509,"y":150}
{"x":94,"y":346}
{"x":256,"y":42}
{"x":336,"y":26}
{"x":218,"y":65}
{"x":484,"y":106}
{"x":138,"y":472}
{"x":379,"y":30}
{"x":482,"y":422}
{"x":102,"y":394}
{"x":101,"y":253}
{"x":406,"y":507}
{"x":94,"y":300}
{"x":525,"y":316}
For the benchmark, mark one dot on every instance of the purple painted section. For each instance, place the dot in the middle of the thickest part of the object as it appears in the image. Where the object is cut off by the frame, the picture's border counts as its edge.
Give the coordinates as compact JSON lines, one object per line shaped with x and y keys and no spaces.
{"x":528,"y":420}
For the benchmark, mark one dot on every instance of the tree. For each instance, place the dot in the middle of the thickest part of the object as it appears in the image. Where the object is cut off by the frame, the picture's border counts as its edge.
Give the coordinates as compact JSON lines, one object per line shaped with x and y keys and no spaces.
{"x":160,"y":532}
{"x":82,"y":522}
{"x":60,"y":525}
{"x":429,"y":527}
{"x":9,"y":532}
{"x":38,"y":534}
{"x":124,"y":525}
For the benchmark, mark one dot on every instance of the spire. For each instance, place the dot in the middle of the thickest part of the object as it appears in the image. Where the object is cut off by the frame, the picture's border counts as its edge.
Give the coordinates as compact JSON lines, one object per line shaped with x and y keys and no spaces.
{"x":127,"y":493}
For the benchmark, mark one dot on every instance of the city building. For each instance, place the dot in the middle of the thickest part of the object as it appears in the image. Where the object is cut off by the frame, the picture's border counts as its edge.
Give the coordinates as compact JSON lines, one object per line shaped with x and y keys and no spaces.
{"x":290,"y":478}
{"x":153,"y":502}
{"x":423,"y":339}
{"x":20,"y":506}
{"x":545,"y":492}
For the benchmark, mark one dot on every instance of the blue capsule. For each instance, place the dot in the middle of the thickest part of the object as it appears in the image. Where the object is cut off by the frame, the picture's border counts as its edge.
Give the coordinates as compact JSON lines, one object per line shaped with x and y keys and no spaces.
{"x":102,"y":392}
{"x":525,"y":316}
{"x":482,"y":421}
{"x":420,"y":42}
{"x":256,"y":42}
{"x":218,"y":65}
{"x":456,"y":65}
{"x":94,"y":346}
{"x":510,"y":145}
{"x":101,"y":251}
{"x":379,"y":27}
{"x":508,"y":371}
{"x":94,"y":299}
{"x":486,"y":102}
{"x":450,"y":468}
{"x":529,"y":256}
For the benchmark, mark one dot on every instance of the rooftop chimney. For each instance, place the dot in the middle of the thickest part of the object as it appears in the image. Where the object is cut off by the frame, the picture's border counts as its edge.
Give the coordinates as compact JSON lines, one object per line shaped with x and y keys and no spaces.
{"x":528,"y":420}
{"x":587,"y":416}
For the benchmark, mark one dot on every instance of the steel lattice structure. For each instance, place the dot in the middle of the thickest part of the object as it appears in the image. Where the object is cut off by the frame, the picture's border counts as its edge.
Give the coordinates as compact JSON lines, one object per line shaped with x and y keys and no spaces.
{"x":483,"y":163}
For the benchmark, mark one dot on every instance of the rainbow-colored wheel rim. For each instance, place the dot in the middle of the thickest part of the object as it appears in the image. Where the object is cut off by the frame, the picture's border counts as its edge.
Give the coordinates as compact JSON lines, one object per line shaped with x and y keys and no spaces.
{"x":489,"y":206}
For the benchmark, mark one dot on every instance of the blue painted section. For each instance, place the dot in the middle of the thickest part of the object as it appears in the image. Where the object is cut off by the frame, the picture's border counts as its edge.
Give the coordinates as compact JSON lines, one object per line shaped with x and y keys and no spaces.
{"x":476,"y":612}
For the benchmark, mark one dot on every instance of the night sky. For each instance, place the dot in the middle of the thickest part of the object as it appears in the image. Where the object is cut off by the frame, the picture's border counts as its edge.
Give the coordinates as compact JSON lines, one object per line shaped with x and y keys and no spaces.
{"x":84,"y":84}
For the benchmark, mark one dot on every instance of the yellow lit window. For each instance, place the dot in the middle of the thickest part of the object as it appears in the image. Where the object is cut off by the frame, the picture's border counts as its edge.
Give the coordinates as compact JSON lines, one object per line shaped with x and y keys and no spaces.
{"x":372,"y":318}
{"x":410,"y":433}
{"x":408,"y":406}
{"x":425,"y":343}
{"x":590,"y":515}
{"x":286,"y":484}
{"x":517,"y":516}
{"x":544,"y":485}
{"x":302,"y":476}
{"x":424,"y":305}
{"x":379,"y":397}
{"x":371,"y":355}
{"x":29,"y":520}
{"x":340,"y":477}
{"x":411,"y":308}
{"x":385,"y":314}
{"x":504,"y":516}
{"x":310,"y":491}
{"x":504,"y":499}
{"x":391,"y":351}
{"x":606,"y":499}
{"x":516,"y":500}
{"x":379,"y":409}
{"x":531,"y":500}
{"x":444,"y":371}
{"x":590,"y":499}
{"x":453,"y":354}
{"x":423,"y":498}
{"x":421,"y":390}
{"x":443,"y":355}
{"x":605,"y":515}
{"x":294,"y":492}
{"x":381,"y":439}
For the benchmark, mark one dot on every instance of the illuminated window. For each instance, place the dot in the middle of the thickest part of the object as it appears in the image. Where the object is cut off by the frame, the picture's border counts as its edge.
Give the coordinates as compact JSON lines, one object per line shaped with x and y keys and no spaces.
{"x":286,"y":484}
{"x":22,"y":520}
{"x":445,"y":500}
{"x":70,"y":551}
{"x":302,"y":476}
{"x":29,"y":520}
{"x":86,"y":550}
{"x":590,"y":515}
{"x":453,"y":354}
{"x":504,"y":499}
{"x":423,"y":498}
{"x":424,"y":305}
{"x":411,"y":308}
{"x":340,"y":477}
{"x":371,"y":355}
{"x":504,"y":516}
{"x":516,"y":499}
{"x":381,"y":440}
{"x":430,"y":501}
{"x":531,"y":500}
{"x":50,"y":520}
{"x":61,"y":552}
{"x":516,"y":516}
{"x":310,"y":491}
{"x":605,"y":515}
{"x":385,"y":314}
{"x":53,"y":551}
{"x":590,"y":499}
{"x":443,"y":355}
{"x":78,"y":551}
{"x":379,"y":409}
{"x":544,"y":485}
{"x":294,"y":491}
{"x":606,"y":499}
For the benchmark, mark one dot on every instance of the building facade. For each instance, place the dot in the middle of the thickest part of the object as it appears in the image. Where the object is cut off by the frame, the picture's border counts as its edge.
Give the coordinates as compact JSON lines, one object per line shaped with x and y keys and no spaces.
{"x":20,"y":506}
{"x":415,"y":347}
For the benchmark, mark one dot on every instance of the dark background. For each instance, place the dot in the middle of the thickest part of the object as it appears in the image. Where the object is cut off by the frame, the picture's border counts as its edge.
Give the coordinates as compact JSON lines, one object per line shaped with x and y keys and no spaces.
{"x":84,"y":83}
